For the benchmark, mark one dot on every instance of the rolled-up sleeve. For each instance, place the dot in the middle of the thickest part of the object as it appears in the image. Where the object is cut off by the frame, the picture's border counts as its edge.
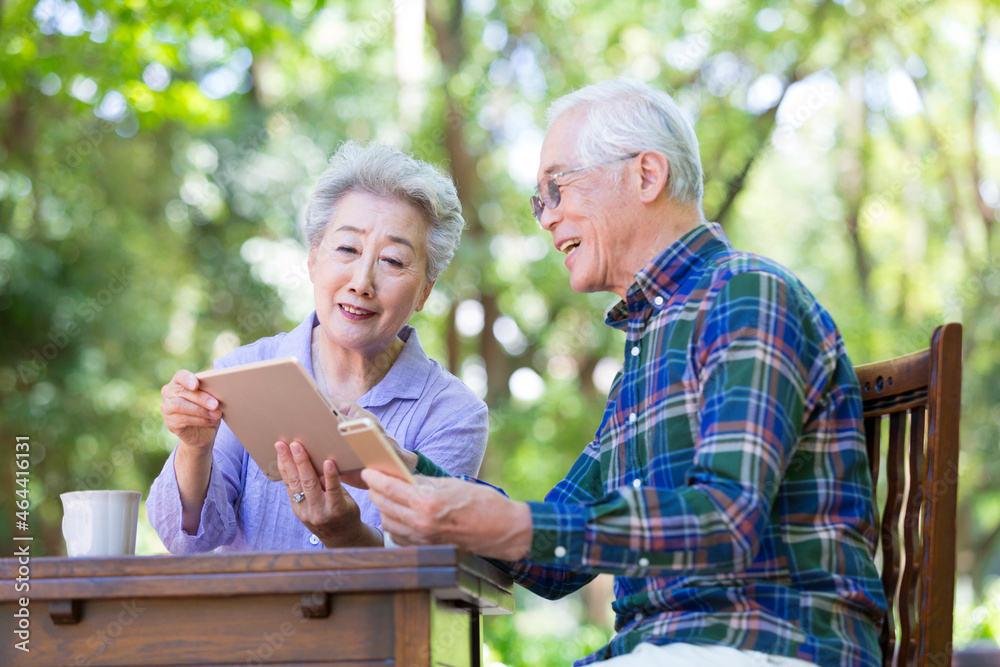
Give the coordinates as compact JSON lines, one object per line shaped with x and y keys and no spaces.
{"x":218,"y":525}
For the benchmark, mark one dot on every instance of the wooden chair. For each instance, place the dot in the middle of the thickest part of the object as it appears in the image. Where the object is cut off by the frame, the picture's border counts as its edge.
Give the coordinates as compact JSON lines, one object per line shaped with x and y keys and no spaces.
{"x":920,"y":394}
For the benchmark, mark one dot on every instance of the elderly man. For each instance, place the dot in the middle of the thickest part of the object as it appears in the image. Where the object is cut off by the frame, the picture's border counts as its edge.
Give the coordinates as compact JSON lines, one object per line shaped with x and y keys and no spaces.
{"x":727,"y":487}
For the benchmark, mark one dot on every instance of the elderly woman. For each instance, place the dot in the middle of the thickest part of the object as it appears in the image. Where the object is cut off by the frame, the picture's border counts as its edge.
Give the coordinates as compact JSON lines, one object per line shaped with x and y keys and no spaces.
{"x":381,"y":227}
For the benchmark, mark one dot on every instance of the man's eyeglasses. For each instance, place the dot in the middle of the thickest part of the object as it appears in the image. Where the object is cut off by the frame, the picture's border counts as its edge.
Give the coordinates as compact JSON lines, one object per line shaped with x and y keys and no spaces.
{"x":552,"y":196}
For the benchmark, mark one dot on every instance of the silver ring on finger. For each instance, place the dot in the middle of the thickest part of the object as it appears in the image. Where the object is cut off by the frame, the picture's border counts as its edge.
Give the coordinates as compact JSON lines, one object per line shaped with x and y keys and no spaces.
{"x":298,"y":497}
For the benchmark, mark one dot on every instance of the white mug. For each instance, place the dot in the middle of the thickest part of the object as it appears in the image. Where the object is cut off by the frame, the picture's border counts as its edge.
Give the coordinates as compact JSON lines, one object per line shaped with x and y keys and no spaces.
{"x":100,"y":523}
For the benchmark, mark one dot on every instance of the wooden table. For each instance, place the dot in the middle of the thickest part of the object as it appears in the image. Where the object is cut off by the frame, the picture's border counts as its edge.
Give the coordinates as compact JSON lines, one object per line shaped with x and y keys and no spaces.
{"x":408,"y":607}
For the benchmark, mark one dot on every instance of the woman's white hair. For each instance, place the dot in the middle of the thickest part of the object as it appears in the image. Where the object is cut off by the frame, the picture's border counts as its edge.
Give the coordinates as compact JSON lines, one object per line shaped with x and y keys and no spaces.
{"x":625,"y":116}
{"x":385,"y":171}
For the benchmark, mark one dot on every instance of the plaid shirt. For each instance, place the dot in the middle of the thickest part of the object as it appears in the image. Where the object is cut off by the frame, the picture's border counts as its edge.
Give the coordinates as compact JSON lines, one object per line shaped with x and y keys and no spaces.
{"x":727,"y":486}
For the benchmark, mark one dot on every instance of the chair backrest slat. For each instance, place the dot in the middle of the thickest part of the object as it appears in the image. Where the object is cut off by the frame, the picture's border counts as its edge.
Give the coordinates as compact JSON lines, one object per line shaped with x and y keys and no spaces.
{"x":895,"y":485}
{"x":908,"y":578}
{"x":937,"y":602}
{"x":873,"y":443}
{"x":921,"y":395}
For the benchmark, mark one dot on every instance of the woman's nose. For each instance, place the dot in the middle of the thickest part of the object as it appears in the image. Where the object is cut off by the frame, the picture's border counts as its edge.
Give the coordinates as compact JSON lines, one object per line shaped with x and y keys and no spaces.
{"x":363,"y":279}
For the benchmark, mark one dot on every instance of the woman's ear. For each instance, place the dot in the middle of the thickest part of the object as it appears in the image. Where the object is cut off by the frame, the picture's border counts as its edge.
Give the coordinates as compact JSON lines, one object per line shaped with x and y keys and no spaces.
{"x":654,"y":170}
{"x":312,"y":263}
{"x":423,"y":297}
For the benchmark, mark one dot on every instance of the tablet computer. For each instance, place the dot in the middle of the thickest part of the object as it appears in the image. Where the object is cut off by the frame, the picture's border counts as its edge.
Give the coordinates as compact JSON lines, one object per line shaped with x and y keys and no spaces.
{"x":268,"y":401}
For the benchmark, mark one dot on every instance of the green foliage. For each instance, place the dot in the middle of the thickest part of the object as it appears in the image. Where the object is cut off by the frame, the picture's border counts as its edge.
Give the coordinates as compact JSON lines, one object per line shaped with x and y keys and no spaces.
{"x":155,"y":158}
{"x":541,"y":633}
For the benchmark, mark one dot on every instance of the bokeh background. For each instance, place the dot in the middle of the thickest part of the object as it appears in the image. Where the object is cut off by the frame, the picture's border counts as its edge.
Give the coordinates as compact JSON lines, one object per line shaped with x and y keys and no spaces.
{"x":156,"y":156}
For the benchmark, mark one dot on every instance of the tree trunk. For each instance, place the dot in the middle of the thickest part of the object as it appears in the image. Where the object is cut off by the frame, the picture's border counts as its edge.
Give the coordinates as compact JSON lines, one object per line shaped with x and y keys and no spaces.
{"x":14,"y":136}
{"x":453,"y":342}
{"x":494,"y":356}
{"x":985,"y":210}
{"x":853,"y":187}
{"x":464,"y":169}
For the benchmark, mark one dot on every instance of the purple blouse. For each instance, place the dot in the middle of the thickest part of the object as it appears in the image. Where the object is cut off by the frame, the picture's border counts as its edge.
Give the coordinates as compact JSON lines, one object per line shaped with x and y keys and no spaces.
{"x":419,"y":403}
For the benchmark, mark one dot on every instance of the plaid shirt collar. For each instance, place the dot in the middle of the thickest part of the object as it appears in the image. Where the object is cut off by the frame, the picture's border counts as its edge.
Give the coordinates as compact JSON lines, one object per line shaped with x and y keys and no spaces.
{"x":664,"y":275}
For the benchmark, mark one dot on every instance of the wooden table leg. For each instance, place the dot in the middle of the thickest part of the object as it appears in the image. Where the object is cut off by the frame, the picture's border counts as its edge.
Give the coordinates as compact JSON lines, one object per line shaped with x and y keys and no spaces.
{"x":413,"y":629}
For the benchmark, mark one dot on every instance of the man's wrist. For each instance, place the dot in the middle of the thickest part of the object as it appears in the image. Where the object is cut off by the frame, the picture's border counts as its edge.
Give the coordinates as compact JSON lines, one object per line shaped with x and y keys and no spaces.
{"x":410,"y":459}
{"x":557,"y":533}
{"x":428,"y":468}
{"x":522,"y":532}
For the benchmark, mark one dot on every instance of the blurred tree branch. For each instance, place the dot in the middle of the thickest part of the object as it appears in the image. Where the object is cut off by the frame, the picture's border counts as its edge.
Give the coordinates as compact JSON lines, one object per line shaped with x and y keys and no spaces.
{"x":853,"y":185}
{"x":975,"y":160}
{"x":447,"y":28}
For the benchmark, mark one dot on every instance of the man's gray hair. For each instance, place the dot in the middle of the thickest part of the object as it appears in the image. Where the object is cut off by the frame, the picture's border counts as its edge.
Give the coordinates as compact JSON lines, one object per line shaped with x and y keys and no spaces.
{"x":625,"y":116}
{"x":385,"y":171}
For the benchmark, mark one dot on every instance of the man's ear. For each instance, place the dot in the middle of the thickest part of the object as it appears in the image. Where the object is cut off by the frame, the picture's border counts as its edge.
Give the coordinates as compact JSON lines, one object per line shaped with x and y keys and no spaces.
{"x":654,"y":170}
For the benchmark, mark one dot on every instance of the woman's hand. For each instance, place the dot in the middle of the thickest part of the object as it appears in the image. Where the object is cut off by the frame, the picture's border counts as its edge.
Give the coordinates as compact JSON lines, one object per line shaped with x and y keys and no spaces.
{"x":325,"y":508}
{"x":190,"y":414}
{"x":355,"y":411}
{"x":194,"y":417}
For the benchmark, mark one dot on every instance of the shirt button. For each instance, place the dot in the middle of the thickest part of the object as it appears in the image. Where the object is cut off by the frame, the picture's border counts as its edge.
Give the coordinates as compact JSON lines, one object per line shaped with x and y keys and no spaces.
{"x":313,"y":539}
{"x":637,"y":482}
{"x":560,"y":552}
{"x":632,"y":417}
{"x":635,"y":351}
{"x":643,"y":562}
{"x":658,"y":301}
